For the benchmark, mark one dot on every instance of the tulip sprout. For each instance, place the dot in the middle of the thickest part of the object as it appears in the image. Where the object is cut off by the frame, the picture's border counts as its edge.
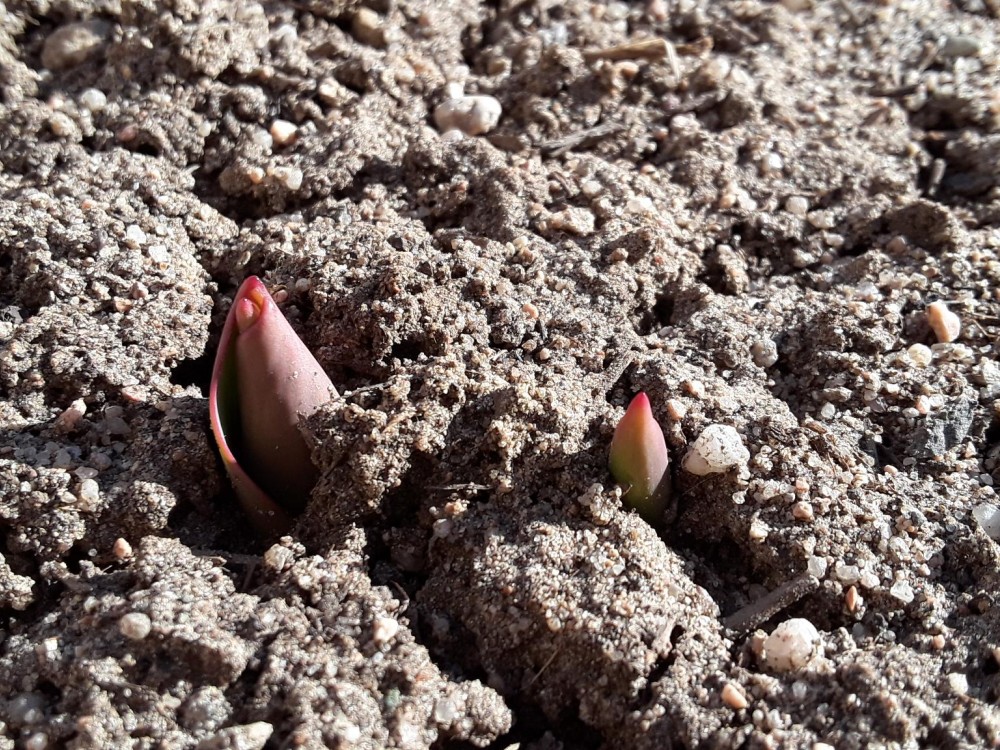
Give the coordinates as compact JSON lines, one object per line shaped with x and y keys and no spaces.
{"x":265,"y":381}
{"x":638,"y":460}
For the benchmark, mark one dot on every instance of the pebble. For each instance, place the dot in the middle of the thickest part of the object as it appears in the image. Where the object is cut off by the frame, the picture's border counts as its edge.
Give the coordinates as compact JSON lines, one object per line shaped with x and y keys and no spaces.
{"x":902,"y":591}
{"x":764,"y":352}
{"x":987,"y":515}
{"x":74,"y":43}
{"x":920,"y":355}
{"x":71,"y":416}
{"x":89,"y":493}
{"x":134,"y":236}
{"x":852,"y":599}
{"x":792,"y":645}
{"x":802,"y":511}
{"x":93,"y":100}
{"x":283,"y":132}
{"x":62,"y":125}
{"x":122,"y":550}
{"x":960,"y":45}
{"x":945,"y":324}
{"x":384,"y":630}
{"x":368,"y":27}
{"x":847,"y":574}
{"x":135,"y":625}
{"x":472,"y":115}
{"x":816,"y":566}
{"x":719,"y":448}
{"x":733,"y":697}
{"x":796,"y":205}
{"x":575,"y":220}
{"x":290,"y":177}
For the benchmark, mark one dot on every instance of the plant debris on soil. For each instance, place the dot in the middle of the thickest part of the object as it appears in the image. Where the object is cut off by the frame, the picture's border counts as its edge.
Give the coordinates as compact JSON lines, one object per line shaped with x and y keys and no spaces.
{"x":494,"y":224}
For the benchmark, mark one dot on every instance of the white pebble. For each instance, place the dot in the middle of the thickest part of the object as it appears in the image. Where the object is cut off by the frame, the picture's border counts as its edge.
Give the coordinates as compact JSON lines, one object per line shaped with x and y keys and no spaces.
{"x":847,"y":574}
{"x":89,"y":493}
{"x":719,"y":448}
{"x":945,"y":324}
{"x":135,"y":625}
{"x":384,"y":630}
{"x":283,"y":132}
{"x":290,"y":177}
{"x":987,"y":515}
{"x":792,"y":645}
{"x":472,"y":115}
{"x":920,"y":355}
{"x":93,"y":100}
{"x":771,"y":163}
{"x":134,"y":236}
{"x":958,"y":683}
{"x":797,"y":206}
{"x":159,"y":255}
{"x":816,"y":566}
{"x":902,"y":591}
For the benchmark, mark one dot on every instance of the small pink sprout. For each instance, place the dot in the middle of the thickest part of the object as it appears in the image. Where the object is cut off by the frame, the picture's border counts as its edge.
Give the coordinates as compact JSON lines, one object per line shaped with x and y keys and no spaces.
{"x":265,"y":381}
{"x":638,"y":460}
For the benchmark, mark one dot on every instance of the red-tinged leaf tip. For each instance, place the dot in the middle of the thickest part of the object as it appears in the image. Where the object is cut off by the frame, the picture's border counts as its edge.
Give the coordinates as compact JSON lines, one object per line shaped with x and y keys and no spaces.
{"x":638,"y":460}
{"x":265,"y":381}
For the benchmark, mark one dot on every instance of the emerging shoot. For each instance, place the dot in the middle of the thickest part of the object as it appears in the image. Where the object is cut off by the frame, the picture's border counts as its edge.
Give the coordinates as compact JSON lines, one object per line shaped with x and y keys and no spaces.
{"x":638,"y":460}
{"x":265,"y":381}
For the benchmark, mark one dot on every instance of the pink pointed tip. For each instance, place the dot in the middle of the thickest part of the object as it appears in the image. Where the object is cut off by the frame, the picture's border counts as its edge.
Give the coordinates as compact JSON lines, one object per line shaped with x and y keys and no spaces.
{"x":640,"y":403}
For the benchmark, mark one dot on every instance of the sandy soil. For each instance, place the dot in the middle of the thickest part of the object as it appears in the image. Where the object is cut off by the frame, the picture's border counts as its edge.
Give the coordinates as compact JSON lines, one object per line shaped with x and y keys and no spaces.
{"x":741,"y":208}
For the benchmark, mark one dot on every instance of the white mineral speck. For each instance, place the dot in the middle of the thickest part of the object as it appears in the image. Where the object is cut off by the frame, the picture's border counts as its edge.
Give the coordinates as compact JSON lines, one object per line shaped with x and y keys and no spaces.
{"x":771,"y":163}
{"x":796,"y":205}
{"x":945,"y":324}
{"x":902,"y":591}
{"x":847,"y":574}
{"x":384,"y":630}
{"x":472,"y":115}
{"x":283,"y":132}
{"x":719,"y":448}
{"x":159,"y":255}
{"x":958,"y":683}
{"x":792,"y":645}
{"x":920,"y":355}
{"x":93,"y":100}
{"x":290,"y":177}
{"x":134,"y":236}
{"x":816,"y":566}
{"x":135,"y":625}
{"x":445,"y":711}
{"x":987,"y":515}
{"x":89,"y":493}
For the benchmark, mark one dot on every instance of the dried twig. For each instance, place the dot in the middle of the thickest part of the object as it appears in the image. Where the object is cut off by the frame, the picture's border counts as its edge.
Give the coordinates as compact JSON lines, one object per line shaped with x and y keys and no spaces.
{"x":637,"y":49}
{"x":771,"y":604}
{"x":588,"y":137}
